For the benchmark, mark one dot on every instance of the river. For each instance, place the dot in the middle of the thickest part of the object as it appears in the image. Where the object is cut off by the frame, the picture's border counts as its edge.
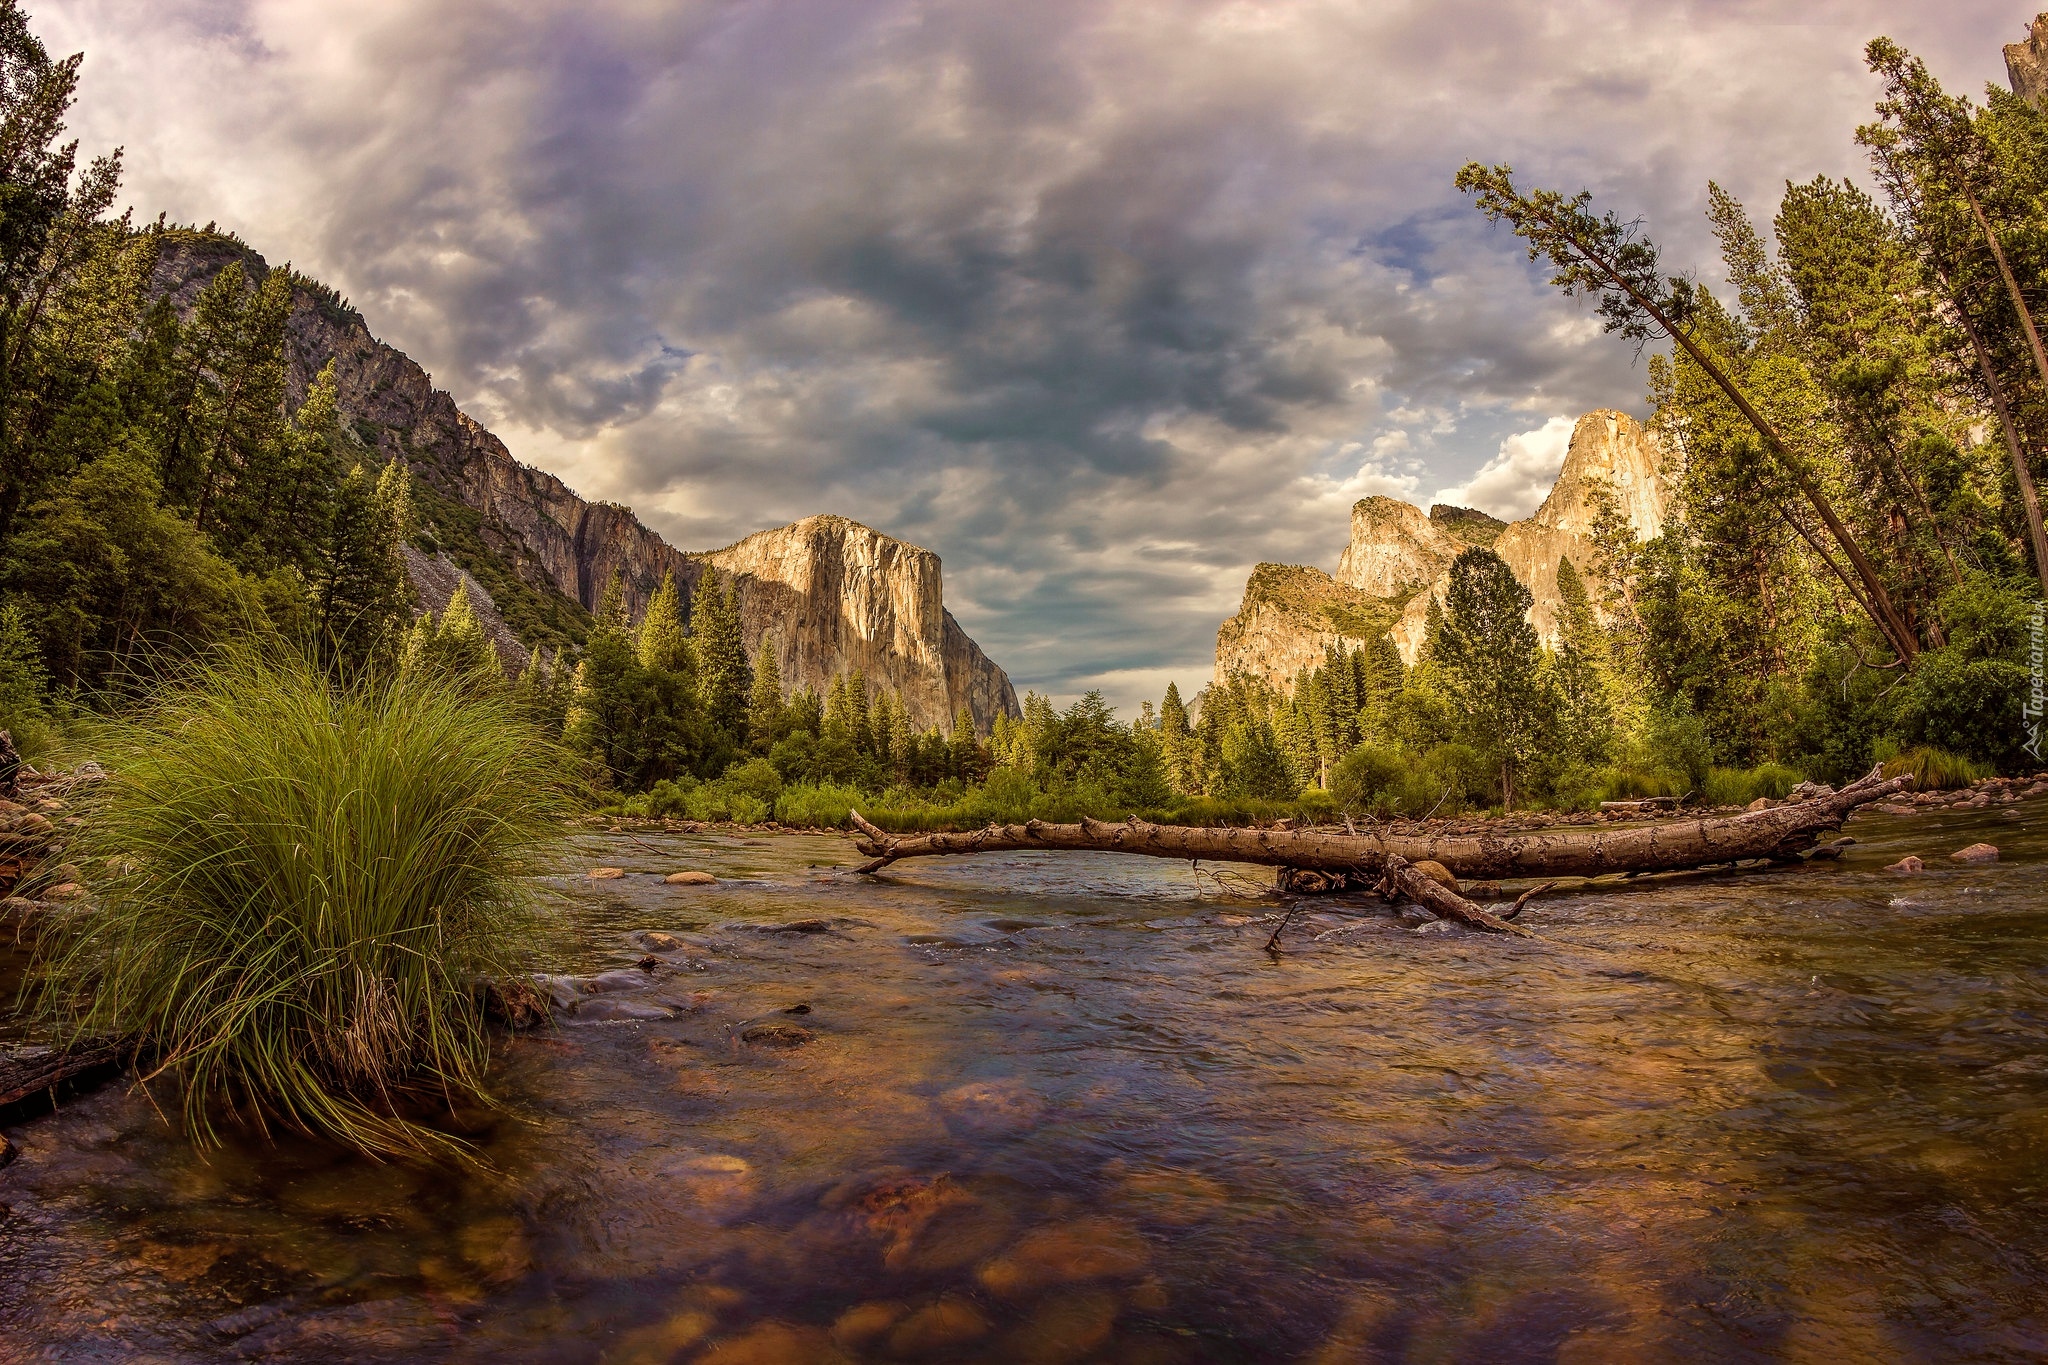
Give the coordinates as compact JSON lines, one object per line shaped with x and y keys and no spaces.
{"x":1050,"y":1108}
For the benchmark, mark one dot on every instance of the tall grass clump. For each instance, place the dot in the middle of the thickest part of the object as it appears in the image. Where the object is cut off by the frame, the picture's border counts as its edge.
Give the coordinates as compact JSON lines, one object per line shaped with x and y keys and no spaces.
{"x":1932,"y":769}
{"x":295,"y":887}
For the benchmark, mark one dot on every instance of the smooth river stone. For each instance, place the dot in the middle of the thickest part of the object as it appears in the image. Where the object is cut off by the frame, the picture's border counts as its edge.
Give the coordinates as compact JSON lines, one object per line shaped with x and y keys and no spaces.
{"x":1975,"y":853}
{"x":1086,"y":1249}
{"x":1909,"y":863}
{"x":938,"y":1329}
{"x":605,"y":874}
{"x":690,"y":879}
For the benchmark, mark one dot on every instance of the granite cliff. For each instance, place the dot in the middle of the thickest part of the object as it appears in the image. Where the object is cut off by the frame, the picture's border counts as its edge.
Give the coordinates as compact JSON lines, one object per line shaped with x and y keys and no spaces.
{"x":1398,"y":557}
{"x":832,"y":594}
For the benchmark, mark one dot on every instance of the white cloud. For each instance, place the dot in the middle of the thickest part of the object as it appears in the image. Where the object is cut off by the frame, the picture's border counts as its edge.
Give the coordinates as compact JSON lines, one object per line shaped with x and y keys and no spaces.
{"x":1515,"y":481}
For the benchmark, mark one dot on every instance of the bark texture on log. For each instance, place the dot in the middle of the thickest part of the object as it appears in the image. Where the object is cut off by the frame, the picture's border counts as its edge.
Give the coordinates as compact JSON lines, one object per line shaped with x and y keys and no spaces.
{"x":1403,"y":879}
{"x":26,"y":1072}
{"x":1668,"y":846}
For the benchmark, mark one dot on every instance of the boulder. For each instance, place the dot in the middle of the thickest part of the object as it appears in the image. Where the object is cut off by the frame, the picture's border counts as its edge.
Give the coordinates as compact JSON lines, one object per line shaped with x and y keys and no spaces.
{"x":605,"y":874}
{"x":690,"y":879}
{"x":1909,"y":863}
{"x":1975,"y":853}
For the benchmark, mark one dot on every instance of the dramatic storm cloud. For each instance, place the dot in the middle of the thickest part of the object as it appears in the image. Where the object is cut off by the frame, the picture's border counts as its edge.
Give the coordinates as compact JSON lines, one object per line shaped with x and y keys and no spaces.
{"x":1104,"y":302}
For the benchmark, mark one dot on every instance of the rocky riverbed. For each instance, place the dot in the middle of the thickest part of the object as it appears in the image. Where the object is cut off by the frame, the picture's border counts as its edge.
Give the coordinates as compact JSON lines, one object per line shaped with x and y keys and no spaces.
{"x":1046,"y":1108}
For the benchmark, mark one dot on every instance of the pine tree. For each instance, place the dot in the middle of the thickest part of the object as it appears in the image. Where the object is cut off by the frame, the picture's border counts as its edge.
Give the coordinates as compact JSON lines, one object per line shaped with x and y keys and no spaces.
{"x":964,"y":754}
{"x":902,"y":742}
{"x":1178,"y":748}
{"x":1585,"y":705}
{"x":662,"y":642}
{"x":394,"y":488}
{"x":611,"y":612}
{"x":1490,"y":659}
{"x":722,"y":668}
{"x":359,"y":588}
{"x":859,"y":720}
{"x":767,"y":721}
{"x":461,"y":648}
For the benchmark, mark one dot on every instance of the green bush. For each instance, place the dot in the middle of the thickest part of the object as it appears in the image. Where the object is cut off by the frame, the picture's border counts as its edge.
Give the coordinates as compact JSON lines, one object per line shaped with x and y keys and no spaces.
{"x":755,"y":778}
{"x":1369,"y":781}
{"x":296,"y":887}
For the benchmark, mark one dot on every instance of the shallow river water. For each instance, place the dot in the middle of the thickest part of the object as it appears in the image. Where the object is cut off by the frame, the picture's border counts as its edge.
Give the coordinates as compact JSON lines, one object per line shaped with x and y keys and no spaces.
{"x":1066,"y":1108}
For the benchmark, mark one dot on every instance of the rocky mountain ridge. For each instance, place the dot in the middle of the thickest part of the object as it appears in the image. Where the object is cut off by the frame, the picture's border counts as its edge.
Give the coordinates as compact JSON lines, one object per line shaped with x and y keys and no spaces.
{"x":1398,"y":557}
{"x":830,"y":593}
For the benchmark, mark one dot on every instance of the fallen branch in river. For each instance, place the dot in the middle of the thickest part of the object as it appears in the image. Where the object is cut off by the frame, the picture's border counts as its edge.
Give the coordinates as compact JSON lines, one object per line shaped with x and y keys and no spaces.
{"x":1779,"y":833}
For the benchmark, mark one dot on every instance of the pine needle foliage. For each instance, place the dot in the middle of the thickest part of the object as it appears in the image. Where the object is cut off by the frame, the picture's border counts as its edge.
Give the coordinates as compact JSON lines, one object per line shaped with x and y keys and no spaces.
{"x":302,"y":884}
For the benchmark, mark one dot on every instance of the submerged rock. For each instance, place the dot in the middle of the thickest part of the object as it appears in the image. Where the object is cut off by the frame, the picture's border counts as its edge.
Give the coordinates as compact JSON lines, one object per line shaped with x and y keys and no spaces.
{"x":865,"y":1323}
{"x":938,"y":1329}
{"x":777,"y":1343}
{"x":776,"y":1035}
{"x":605,"y":1009}
{"x":1975,"y":853}
{"x":1907,"y":864}
{"x":690,"y":879}
{"x":1092,"y":1248}
{"x":655,"y":941}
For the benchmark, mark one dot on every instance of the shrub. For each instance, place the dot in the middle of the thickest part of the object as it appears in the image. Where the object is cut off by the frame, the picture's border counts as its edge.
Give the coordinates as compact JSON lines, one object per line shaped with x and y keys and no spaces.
{"x":298,"y":887}
{"x":1369,"y":781}
{"x":756,"y":778}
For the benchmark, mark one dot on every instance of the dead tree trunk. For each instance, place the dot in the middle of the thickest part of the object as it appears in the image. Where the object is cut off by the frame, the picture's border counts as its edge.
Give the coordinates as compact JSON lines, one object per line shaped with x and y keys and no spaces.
{"x":1778,"y":833}
{"x":26,"y":1072}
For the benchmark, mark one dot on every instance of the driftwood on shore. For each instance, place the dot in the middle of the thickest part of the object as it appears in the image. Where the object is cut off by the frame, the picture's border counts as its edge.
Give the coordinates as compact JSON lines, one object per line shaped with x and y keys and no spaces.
{"x":1777,"y":833}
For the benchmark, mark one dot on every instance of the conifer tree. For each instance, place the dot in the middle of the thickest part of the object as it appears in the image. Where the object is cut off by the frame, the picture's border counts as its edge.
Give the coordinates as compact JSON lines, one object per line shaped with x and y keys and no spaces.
{"x":461,"y":648}
{"x":722,"y":668}
{"x":360,"y":593}
{"x":394,"y":486}
{"x":902,"y":742}
{"x":611,"y":612}
{"x":767,"y":722}
{"x":1490,"y":660}
{"x":964,"y":754}
{"x":662,"y":641}
{"x":859,"y":719}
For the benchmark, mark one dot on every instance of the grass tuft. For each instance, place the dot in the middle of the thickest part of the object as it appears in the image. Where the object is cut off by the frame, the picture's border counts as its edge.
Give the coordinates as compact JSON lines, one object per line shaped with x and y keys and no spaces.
{"x":295,"y":887}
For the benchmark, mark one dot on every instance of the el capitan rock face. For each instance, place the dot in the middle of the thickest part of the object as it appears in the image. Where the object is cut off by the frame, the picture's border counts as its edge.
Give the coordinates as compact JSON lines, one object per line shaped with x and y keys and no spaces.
{"x":1398,"y":558}
{"x":832,"y":593}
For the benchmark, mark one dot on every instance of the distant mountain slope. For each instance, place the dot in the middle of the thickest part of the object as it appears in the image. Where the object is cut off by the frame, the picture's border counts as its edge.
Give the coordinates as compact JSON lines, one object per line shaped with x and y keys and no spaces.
{"x":832,"y":594}
{"x":1398,"y":558}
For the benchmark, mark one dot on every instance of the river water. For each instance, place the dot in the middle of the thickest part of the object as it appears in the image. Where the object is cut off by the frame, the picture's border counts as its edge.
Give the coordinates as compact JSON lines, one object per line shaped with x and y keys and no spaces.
{"x":1066,"y":1108}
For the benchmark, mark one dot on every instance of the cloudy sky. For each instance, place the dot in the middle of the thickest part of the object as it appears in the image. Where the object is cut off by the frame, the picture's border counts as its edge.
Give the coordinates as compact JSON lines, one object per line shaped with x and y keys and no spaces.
{"x":1103,"y":300}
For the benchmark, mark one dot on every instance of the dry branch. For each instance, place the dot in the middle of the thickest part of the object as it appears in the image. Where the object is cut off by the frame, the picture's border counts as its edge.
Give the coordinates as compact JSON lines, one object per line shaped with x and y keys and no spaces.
{"x":1402,"y":878}
{"x":1777,"y":833}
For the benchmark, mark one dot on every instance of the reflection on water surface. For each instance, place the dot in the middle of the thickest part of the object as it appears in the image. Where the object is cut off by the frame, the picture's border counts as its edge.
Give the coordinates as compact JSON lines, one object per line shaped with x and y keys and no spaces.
{"x":1063,"y":1108}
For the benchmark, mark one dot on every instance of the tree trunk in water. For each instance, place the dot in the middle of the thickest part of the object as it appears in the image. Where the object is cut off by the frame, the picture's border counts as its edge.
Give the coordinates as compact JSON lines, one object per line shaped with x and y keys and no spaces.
{"x":1780,"y":832}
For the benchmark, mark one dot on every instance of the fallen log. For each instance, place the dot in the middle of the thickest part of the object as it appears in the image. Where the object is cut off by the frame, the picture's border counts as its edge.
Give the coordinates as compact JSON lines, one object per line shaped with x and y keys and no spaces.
{"x":1779,"y":832}
{"x":26,"y":1072}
